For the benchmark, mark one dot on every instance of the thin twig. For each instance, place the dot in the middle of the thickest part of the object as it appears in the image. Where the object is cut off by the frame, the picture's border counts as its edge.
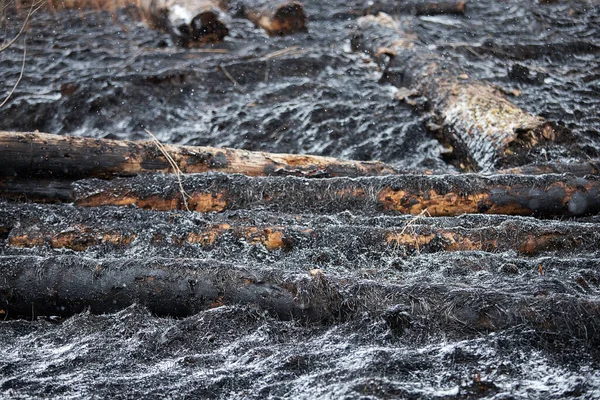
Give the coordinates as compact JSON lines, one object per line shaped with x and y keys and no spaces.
{"x":6,"y":5}
{"x":472,"y":51}
{"x":231,"y":78}
{"x":175,"y":167}
{"x":414,"y":220}
{"x":266,"y":70}
{"x":20,"y":76}
{"x":131,"y":59}
{"x":218,"y":51}
{"x":34,"y":7}
{"x":410,"y":224}
{"x":282,"y":52}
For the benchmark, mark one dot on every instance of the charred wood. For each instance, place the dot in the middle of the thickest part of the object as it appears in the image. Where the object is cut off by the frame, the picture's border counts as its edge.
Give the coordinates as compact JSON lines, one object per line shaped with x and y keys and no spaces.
{"x":532,"y":51}
{"x":189,"y":22}
{"x":418,"y":7}
{"x":440,"y":195}
{"x":581,"y":169}
{"x":484,"y":129}
{"x":40,"y":155}
{"x":278,"y":18}
{"x":121,"y":231}
{"x":64,"y":285}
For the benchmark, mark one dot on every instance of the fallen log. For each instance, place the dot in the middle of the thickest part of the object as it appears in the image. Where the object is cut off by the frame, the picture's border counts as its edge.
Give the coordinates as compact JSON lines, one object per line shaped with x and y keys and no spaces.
{"x":64,"y":285}
{"x":591,"y":167}
{"x":125,"y":231}
{"x":40,"y":155}
{"x":440,"y":195}
{"x":553,"y":317}
{"x":189,"y":22}
{"x":276,"y":18}
{"x":558,"y":50}
{"x":483,"y":128}
{"x":418,"y":7}
{"x":545,"y":195}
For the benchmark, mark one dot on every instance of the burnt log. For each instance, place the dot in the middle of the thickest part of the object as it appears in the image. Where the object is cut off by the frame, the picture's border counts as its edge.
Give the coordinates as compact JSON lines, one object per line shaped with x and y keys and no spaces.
{"x":591,"y":167}
{"x":545,"y":195}
{"x":123,"y":231}
{"x":438,"y":195}
{"x":277,"y":18}
{"x":40,"y":155}
{"x":64,"y":285}
{"x":416,"y":7}
{"x":558,"y":50}
{"x":189,"y":22}
{"x":482,"y":127}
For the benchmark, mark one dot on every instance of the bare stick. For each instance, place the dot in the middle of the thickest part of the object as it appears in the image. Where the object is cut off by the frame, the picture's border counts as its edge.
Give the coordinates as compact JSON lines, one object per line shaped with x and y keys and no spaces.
{"x":20,"y":76}
{"x":34,"y":7}
{"x":175,"y":167}
{"x":231,"y":78}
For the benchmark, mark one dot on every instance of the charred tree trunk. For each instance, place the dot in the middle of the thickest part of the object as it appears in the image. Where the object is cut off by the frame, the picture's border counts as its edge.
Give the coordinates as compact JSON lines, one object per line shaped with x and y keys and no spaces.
{"x":557,"y":50}
{"x":439,"y":195}
{"x":189,"y":22}
{"x":121,"y":231}
{"x":65,"y":285}
{"x":277,"y":18}
{"x":39,"y":155}
{"x":417,"y":7}
{"x":591,"y":167}
{"x":485,"y":130}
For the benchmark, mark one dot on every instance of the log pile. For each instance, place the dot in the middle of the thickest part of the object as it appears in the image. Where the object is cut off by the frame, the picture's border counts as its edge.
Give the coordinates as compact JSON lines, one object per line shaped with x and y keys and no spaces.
{"x":127,"y":236}
{"x":200,"y":22}
{"x":102,"y":224}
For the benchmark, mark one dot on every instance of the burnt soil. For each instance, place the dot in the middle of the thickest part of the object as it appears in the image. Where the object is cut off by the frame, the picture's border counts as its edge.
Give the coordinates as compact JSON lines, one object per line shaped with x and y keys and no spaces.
{"x":401,"y":321}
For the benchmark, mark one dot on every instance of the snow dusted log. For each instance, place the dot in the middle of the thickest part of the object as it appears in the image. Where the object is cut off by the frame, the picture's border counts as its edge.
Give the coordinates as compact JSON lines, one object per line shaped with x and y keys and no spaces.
{"x":40,"y":155}
{"x":416,"y":7}
{"x":437,"y":195}
{"x":277,"y":18}
{"x":484,"y":129}
{"x":123,"y":231}
{"x":189,"y":22}
{"x":464,"y":311}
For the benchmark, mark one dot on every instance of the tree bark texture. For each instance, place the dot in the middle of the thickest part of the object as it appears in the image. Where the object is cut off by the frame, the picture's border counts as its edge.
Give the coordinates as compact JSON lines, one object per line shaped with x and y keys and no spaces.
{"x":437,"y":195}
{"x":416,"y":7}
{"x":126,"y":231}
{"x":277,"y":18}
{"x":486,"y":131}
{"x":189,"y":22}
{"x":65,"y":285}
{"x":40,"y":155}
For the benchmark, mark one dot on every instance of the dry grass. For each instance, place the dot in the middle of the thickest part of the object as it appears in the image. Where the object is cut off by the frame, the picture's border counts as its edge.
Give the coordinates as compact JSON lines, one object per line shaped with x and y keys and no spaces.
{"x":32,"y":9}
{"x":185,"y":196}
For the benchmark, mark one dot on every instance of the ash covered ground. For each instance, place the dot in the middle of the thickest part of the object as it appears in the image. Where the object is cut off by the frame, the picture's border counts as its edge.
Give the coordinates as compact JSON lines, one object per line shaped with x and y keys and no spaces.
{"x":410,"y":332}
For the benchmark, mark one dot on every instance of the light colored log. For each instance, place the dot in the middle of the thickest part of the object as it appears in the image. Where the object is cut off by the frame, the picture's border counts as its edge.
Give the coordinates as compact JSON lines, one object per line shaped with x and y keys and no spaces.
{"x":485,"y":130}
{"x":28,"y":155}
